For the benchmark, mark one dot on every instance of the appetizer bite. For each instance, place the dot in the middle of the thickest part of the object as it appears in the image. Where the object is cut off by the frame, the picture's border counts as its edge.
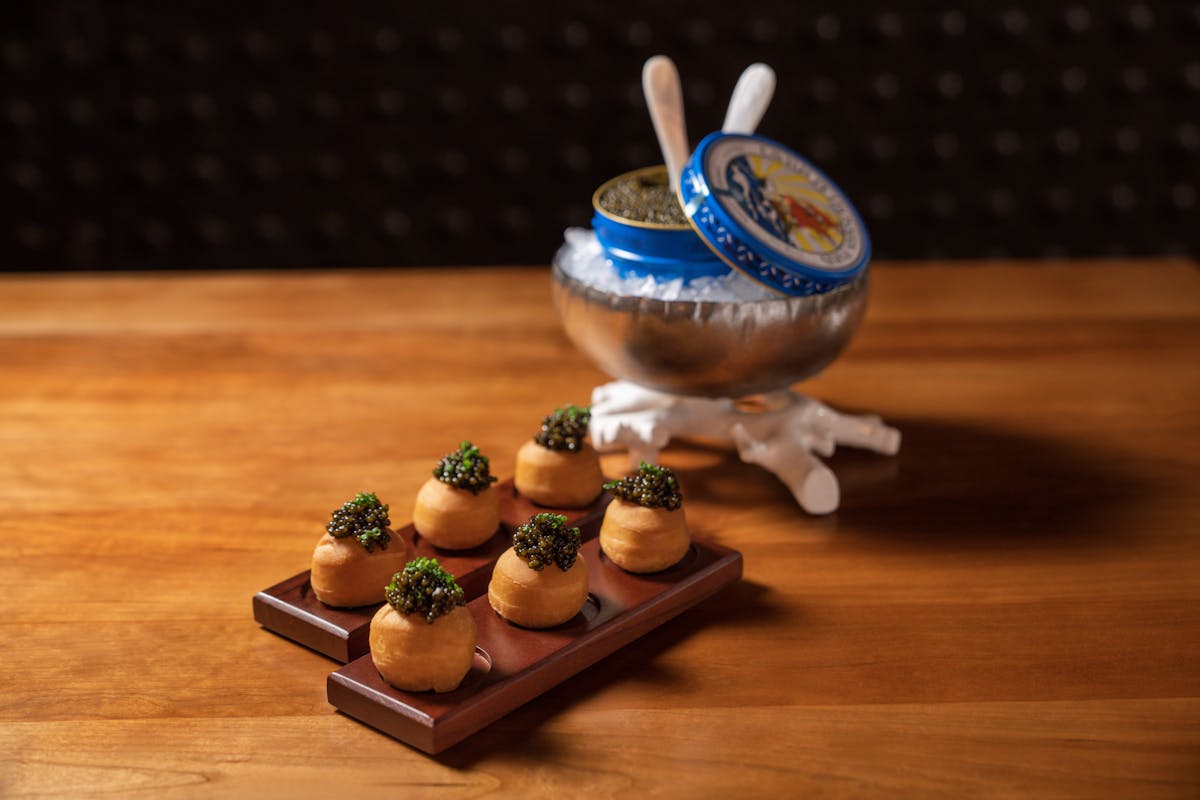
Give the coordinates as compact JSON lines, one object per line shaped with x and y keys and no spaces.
{"x":557,"y":468}
{"x":457,"y":508}
{"x":357,"y":555}
{"x":644,"y":528}
{"x":424,"y":637}
{"x":540,"y":581}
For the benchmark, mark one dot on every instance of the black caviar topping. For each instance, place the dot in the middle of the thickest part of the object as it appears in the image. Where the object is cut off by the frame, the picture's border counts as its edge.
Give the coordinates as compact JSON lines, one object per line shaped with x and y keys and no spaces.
{"x":546,"y":539}
{"x":364,"y":518}
{"x":423,"y":587}
{"x":650,"y":486}
{"x":565,"y":428}
{"x":465,"y":468}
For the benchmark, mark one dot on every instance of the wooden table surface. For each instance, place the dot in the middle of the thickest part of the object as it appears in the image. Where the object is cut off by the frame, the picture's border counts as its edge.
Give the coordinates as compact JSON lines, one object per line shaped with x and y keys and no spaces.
{"x":1010,"y":607}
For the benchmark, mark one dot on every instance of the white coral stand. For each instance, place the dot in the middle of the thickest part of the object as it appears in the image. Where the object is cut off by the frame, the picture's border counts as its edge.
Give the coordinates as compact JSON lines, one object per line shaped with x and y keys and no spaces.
{"x":781,"y":432}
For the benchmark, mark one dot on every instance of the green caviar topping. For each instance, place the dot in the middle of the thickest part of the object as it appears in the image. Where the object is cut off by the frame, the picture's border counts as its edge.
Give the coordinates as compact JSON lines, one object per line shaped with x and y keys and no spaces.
{"x":546,"y":539}
{"x":565,"y":428}
{"x":423,"y":587}
{"x":650,"y":486}
{"x":465,"y":468}
{"x":364,"y":518}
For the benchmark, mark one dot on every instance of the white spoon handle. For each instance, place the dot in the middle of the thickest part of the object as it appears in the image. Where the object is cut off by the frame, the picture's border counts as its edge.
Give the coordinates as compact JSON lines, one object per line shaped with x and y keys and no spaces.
{"x":664,"y":98}
{"x":750,"y":99}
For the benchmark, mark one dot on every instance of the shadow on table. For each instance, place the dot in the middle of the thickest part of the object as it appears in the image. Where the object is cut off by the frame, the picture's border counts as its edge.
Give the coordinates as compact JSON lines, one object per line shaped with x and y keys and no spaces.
{"x":958,"y":486}
{"x":522,"y":735}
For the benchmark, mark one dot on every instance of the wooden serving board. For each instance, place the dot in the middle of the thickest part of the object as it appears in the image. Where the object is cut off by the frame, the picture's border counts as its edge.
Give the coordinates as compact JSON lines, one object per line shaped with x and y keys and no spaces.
{"x":513,"y":664}
{"x":290,"y":609}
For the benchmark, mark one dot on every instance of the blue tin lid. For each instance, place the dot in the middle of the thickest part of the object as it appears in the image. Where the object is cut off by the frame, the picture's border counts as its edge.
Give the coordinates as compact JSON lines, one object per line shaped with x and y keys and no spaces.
{"x":769,"y":213}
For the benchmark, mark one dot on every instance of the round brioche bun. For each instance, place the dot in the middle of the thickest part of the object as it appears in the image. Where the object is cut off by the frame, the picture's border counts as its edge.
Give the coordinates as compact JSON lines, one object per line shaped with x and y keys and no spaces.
{"x":558,"y":478}
{"x":537,"y":598}
{"x":345,"y":575}
{"x":640,"y":539}
{"x":453,"y":518}
{"x":418,"y":656}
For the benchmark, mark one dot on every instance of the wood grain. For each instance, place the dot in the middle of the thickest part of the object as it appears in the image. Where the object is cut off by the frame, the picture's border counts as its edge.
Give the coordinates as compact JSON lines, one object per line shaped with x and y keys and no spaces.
{"x":1010,"y":607}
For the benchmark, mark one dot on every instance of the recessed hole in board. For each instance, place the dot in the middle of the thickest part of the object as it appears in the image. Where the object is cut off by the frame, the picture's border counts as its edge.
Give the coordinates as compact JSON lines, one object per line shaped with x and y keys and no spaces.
{"x":481,"y":665}
{"x":482,"y":662}
{"x":591,"y":608}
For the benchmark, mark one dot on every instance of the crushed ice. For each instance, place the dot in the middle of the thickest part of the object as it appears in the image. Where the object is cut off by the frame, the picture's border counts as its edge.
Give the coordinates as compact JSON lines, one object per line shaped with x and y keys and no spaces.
{"x":583,"y":259}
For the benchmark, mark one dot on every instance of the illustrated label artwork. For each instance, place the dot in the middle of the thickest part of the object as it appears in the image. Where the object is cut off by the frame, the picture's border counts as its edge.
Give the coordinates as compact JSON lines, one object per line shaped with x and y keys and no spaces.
{"x":786,"y":203}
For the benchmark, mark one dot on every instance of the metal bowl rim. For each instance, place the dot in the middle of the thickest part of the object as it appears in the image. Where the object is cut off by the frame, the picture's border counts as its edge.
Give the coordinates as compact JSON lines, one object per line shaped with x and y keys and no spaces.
{"x":817,"y":301}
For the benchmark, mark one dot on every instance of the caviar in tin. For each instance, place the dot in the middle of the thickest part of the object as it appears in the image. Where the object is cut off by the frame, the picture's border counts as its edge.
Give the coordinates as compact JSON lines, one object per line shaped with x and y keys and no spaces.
{"x":465,"y":468}
{"x":423,"y":587}
{"x":651,"y":486}
{"x":565,"y":429}
{"x":643,"y":198}
{"x":364,"y":518}
{"x":546,"y":539}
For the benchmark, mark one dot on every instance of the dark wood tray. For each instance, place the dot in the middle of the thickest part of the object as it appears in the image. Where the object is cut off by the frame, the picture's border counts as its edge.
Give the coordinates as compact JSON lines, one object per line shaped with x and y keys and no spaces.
{"x":290,"y":609}
{"x":513,"y":664}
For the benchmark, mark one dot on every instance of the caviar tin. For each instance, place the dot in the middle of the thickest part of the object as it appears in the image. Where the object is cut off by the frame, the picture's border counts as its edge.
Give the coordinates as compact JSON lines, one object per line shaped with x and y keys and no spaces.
{"x":767,"y":212}
{"x":642,"y":249}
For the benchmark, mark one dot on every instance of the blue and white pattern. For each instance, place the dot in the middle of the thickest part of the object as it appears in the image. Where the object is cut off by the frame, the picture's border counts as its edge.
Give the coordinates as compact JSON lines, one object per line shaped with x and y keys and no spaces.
{"x":745,"y":259}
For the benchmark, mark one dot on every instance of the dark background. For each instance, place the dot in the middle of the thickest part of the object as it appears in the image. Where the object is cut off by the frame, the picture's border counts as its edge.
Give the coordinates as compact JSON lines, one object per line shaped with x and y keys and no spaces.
{"x":216,"y":135}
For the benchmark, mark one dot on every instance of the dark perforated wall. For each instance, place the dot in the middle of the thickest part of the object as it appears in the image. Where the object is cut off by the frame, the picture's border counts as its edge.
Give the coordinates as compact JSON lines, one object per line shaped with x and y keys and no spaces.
{"x":369,"y":133}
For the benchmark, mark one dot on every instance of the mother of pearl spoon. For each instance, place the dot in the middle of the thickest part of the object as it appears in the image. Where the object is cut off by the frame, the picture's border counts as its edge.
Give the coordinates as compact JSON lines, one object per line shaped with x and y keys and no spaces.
{"x":664,"y":99}
{"x":750,"y":99}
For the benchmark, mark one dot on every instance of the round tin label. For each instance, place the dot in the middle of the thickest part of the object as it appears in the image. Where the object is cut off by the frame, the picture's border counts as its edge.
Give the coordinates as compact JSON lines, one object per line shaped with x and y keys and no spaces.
{"x":784,"y":203}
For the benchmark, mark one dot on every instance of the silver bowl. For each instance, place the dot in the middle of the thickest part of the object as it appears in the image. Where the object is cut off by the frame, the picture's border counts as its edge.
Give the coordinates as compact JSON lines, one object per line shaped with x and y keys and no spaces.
{"x":709,"y":348}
